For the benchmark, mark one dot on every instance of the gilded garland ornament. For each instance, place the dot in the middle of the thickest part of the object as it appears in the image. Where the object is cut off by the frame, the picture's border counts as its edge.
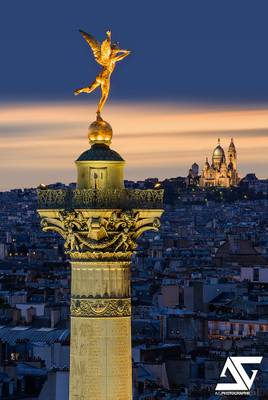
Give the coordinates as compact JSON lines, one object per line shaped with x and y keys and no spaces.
{"x":107,"y":54}
{"x":101,"y":307}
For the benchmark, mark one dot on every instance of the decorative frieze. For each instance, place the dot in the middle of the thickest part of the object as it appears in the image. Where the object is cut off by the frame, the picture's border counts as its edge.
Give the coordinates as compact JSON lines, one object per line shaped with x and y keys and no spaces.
{"x":101,"y":256}
{"x":97,"y":198}
{"x":101,"y":307}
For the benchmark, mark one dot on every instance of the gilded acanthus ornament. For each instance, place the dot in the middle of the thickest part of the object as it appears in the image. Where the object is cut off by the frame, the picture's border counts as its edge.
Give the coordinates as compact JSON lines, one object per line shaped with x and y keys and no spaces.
{"x":116,"y":233}
{"x":107,"y":54}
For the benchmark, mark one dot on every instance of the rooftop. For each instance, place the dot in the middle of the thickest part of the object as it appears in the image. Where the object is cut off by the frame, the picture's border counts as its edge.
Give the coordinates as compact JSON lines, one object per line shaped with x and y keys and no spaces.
{"x":100,"y":152}
{"x":20,"y":333}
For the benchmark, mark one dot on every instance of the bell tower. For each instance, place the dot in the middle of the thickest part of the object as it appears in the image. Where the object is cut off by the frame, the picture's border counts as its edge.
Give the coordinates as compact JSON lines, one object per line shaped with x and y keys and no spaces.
{"x":232,"y":155}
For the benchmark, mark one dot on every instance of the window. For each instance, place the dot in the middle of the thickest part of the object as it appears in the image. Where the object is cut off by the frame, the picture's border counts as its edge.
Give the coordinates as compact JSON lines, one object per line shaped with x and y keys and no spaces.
{"x":98,"y":178}
{"x":256,"y":275}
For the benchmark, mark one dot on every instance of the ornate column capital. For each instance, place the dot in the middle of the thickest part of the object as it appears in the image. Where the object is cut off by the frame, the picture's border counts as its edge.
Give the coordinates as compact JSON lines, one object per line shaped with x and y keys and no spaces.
{"x":99,"y":233}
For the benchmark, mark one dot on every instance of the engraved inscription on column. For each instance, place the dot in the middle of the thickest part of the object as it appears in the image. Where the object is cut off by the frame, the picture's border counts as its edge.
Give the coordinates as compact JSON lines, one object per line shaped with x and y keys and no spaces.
{"x":101,"y":358}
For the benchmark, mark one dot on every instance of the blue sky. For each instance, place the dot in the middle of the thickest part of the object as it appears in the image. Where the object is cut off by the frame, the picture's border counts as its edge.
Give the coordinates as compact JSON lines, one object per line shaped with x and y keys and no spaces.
{"x":194,"y":51}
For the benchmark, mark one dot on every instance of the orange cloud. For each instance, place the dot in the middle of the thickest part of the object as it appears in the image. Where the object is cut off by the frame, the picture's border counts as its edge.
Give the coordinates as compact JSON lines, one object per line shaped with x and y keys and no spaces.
{"x":39,"y":142}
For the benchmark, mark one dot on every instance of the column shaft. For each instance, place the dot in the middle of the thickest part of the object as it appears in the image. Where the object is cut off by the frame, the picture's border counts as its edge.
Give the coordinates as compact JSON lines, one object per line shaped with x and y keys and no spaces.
{"x":100,"y":366}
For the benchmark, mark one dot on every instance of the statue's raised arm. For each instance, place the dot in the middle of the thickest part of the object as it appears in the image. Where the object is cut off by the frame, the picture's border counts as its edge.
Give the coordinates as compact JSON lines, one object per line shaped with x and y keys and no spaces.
{"x":107,"y":54}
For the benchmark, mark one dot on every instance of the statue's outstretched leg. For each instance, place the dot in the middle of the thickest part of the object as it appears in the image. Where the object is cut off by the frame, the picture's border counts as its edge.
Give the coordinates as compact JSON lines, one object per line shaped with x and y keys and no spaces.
{"x":105,"y":88}
{"x":87,"y":89}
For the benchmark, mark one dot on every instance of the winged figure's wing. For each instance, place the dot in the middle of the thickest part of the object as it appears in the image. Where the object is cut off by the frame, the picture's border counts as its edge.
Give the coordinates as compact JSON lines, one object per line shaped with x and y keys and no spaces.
{"x":105,"y":51}
{"x":93,"y":43}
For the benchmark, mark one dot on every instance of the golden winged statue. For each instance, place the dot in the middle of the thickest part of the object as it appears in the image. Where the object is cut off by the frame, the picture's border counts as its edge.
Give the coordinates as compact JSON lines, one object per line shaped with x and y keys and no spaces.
{"x":107,"y":54}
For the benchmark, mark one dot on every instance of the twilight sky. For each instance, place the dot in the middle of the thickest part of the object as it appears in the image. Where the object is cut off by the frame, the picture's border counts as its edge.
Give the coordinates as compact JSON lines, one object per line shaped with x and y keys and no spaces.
{"x":198,"y":70}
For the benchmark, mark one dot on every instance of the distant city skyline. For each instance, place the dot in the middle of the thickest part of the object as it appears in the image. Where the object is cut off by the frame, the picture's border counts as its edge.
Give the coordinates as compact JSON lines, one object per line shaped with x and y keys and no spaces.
{"x":40,"y":142}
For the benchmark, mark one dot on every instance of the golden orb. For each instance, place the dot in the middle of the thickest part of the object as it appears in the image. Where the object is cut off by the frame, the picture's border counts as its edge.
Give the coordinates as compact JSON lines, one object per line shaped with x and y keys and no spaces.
{"x":100,"y":132}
